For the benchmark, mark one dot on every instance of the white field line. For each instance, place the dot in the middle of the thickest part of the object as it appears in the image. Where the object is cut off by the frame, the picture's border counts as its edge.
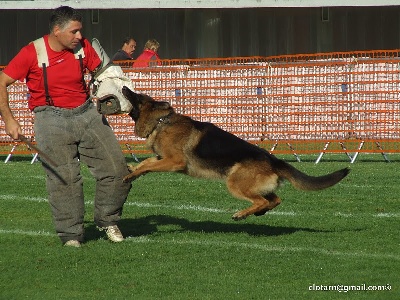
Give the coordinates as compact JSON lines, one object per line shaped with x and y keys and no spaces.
{"x":200,"y":208}
{"x":204,"y":209}
{"x":24,"y":232}
{"x":24,"y":198}
{"x":219,"y":244}
{"x":145,"y":205}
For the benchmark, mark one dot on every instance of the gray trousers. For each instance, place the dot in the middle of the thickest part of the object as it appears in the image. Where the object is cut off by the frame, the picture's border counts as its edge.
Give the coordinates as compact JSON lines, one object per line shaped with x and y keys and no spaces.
{"x":69,"y":137}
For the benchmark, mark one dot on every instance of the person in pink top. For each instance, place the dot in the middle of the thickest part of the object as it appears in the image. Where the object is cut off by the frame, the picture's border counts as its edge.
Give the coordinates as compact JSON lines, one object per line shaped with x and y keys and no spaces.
{"x":68,"y":127}
{"x":149,"y":57}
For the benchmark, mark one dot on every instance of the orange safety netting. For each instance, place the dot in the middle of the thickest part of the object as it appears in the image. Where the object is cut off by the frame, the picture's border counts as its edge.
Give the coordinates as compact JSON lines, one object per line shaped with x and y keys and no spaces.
{"x":299,"y":104}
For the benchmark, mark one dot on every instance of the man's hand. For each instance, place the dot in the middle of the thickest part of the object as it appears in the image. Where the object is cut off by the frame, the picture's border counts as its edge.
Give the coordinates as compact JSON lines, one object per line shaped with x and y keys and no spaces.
{"x":12,"y":126}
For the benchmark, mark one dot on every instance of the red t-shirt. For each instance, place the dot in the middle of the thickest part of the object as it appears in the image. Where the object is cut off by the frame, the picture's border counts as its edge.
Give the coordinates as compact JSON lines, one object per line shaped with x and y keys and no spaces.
{"x":64,"y":75}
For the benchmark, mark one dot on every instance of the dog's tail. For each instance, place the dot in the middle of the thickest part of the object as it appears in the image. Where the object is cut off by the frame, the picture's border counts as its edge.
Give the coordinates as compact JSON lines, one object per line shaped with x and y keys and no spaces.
{"x":303,"y":181}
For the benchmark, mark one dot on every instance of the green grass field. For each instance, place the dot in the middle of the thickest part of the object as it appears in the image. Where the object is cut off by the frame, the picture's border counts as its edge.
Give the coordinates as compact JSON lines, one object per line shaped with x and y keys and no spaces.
{"x":183,"y":244}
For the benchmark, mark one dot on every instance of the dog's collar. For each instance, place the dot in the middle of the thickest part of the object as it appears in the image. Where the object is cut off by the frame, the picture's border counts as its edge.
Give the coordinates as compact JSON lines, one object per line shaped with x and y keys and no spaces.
{"x":164,"y":119}
{"x":161,"y":120}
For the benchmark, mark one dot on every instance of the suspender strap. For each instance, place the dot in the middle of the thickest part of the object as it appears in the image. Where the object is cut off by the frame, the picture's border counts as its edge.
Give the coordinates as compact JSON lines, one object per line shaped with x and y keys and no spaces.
{"x":43,"y":62}
{"x":49,"y":101}
{"x":83,"y":75}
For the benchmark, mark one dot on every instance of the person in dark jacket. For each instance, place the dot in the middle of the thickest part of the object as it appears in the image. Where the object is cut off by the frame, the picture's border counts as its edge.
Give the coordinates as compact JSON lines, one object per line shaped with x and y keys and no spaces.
{"x":126,"y":51}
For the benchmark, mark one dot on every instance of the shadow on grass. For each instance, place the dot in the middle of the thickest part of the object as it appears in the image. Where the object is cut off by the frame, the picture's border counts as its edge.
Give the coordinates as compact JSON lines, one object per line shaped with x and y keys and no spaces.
{"x":151,"y":224}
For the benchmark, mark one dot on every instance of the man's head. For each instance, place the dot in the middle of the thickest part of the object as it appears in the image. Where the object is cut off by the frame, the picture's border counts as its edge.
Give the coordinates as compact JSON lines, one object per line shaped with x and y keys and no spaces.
{"x":65,"y":28}
{"x":129,"y":45}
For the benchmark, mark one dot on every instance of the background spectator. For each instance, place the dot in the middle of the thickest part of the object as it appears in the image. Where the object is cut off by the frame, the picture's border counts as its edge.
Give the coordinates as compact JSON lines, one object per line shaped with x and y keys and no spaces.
{"x":126,"y":51}
{"x":149,"y":56}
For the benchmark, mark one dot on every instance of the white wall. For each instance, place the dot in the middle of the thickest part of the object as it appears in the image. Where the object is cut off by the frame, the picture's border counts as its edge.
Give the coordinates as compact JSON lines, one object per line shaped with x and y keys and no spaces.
{"x":107,"y":4}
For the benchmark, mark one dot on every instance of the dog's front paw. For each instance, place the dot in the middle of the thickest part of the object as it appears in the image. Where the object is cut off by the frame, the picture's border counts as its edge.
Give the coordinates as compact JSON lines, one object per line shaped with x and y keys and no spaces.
{"x":128,"y":178}
{"x":131,"y":168}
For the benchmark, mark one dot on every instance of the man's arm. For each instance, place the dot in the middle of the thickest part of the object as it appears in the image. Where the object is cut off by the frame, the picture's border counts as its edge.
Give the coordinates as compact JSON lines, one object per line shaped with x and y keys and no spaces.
{"x":12,"y":126}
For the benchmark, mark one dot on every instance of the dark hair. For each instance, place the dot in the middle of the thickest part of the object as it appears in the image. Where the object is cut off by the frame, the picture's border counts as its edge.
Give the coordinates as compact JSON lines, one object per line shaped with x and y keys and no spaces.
{"x":127,"y":40}
{"x":62,"y":15}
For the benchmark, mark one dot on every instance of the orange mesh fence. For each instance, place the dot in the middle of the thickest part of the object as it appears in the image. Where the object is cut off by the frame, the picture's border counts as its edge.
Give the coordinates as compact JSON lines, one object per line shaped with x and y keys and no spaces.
{"x":293,"y":104}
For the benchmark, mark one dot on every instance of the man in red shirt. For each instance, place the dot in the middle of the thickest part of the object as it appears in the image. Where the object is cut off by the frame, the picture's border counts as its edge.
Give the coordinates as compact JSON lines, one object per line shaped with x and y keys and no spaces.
{"x":68,"y":127}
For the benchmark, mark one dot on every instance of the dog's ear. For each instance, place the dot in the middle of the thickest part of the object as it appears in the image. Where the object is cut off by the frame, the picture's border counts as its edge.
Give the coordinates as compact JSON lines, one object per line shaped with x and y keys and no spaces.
{"x":163,"y":105}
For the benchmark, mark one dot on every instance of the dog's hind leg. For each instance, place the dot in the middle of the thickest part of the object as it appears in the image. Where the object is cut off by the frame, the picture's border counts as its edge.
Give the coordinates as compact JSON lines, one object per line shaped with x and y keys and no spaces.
{"x":251,"y":183}
{"x":274,"y":201}
{"x":260,"y":204}
{"x":241,"y":190}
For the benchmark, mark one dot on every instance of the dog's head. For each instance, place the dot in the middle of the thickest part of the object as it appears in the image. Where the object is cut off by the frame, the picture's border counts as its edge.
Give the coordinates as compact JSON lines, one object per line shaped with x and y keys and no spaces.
{"x":146,"y":112}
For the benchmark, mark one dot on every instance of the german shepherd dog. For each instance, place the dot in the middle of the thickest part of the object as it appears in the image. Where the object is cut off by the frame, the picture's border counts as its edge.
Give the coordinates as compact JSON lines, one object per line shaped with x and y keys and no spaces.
{"x":201,"y":149}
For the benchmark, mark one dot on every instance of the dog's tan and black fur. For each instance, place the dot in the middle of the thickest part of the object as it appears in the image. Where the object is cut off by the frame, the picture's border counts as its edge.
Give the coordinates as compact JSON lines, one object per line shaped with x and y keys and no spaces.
{"x":201,"y":149}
